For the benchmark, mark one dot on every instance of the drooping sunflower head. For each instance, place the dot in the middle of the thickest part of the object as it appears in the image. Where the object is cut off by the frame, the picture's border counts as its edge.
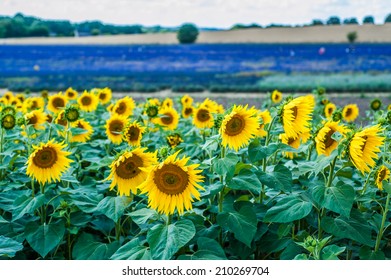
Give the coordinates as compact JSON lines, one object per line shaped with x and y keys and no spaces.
{"x":187,"y":111}
{"x":88,"y":101}
{"x":329,"y":109}
{"x":264,"y":118}
{"x":71,"y":94}
{"x":238,"y":127}
{"x":381,"y":174}
{"x":48,"y":162}
{"x":124,"y":106}
{"x":364,"y":148}
{"x":350,"y":112}
{"x":128,"y":170}
{"x":114,"y":127}
{"x":276,"y":96}
{"x":297,"y":114}
{"x":36,"y":118}
{"x":294,"y":142}
{"x":186,"y":100}
{"x":86,"y":131}
{"x":325,"y":142}
{"x":168,"y":118}
{"x":172,"y":185}
{"x":104,"y":95}
{"x":57,"y":102}
{"x":133,"y":133}
{"x":203,"y":117}
{"x":174,"y":140}
{"x":376,"y":104}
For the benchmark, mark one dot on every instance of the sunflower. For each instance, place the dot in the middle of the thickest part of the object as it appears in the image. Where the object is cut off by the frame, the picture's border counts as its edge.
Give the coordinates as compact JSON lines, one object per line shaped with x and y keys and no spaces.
{"x":364,"y":146}
{"x":294,"y":142}
{"x":114,"y":127}
{"x":127,"y":170}
{"x":350,"y":112}
{"x":382,"y":173}
{"x":33,"y":103}
{"x":296,"y":115}
{"x":21,"y":97}
{"x":174,"y":140}
{"x":325,"y":143}
{"x":276,"y":96}
{"x":60,"y":119}
{"x":329,"y":110}
{"x":133,"y":133}
{"x":238,"y":127}
{"x":389,"y":107}
{"x":56,"y":102}
{"x":48,"y":162}
{"x":203,"y":118}
{"x":82,"y":136}
{"x":167,"y":103}
{"x":168,"y":119}
{"x":8,"y":121}
{"x":71,"y":94}
{"x":153,"y":102}
{"x":210,"y":104}
{"x":124,"y":106}
{"x":36,"y":118}
{"x":8,"y":95}
{"x":376,"y":104}
{"x":88,"y":101}
{"x":172,"y":185}
{"x":186,"y":100}
{"x":264,"y":118}
{"x":104,"y":95}
{"x":187,"y":111}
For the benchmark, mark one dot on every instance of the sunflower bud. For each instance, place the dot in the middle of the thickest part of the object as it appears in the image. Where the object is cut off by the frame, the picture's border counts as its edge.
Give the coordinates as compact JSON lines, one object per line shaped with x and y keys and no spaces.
{"x":44,"y":94}
{"x":376,"y":104}
{"x":152,"y":111}
{"x":163,"y":152}
{"x":20,"y":121}
{"x":8,"y":110}
{"x":72,"y":114}
{"x":217,"y":122}
{"x":337,"y":115}
{"x":8,"y":121}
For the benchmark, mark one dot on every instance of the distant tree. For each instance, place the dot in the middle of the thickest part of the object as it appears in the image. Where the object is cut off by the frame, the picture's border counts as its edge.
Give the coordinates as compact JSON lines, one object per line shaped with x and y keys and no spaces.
{"x":187,"y":33}
{"x":38,"y":31}
{"x":369,"y":20}
{"x":95,"y":32}
{"x":350,"y":21}
{"x":388,"y":19}
{"x":333,"y":21}
{"x":352,"y":37}
{"x":317,"y":22}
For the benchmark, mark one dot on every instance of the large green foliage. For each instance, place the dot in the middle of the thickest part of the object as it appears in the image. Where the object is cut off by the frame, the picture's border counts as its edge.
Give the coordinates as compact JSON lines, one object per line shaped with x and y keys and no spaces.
{"x":187,"y":33}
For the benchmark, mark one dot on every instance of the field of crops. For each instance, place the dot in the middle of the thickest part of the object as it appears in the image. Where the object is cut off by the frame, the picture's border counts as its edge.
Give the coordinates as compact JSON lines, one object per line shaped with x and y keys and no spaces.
{"x":86,"y":176}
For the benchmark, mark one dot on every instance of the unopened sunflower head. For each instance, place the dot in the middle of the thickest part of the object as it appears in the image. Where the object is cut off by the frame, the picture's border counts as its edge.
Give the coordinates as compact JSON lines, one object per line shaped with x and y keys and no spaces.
{"x":382,"y":174}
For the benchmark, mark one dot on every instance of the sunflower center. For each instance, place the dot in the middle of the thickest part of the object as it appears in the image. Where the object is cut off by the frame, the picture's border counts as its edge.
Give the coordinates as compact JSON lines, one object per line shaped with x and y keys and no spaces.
{"x":171,"y":179}
{"x":294,"y":112}
{"x":382,"y":175}
{"x":133,"y":133}
{"x":45,"y":158}
{"x":130,"y":167}
{"x":188,"y":111}
{"x":235,"y":125}
{"x":58,"y":102}
{"x":348,"y":112}
{"x":328,"y":141}
{"x":365,"y":142}
{"x":34,"y":104}
{"x":102,"y":96}
{"x":86,"y":100}
{"x":121,"y":108}
{"x":32,"y":120}
{"x":330,"y":110}
{"x":291,"y":140}
{"x":203,"y":115}
{"x":167,"y":118}
{"x":71,"y":94}
{"x":80,"y":125}
{"x":116,"y":126}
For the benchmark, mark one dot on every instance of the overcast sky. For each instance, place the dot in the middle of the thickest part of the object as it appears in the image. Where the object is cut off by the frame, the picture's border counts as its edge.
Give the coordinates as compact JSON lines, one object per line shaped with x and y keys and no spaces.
{"x":205,"y":13}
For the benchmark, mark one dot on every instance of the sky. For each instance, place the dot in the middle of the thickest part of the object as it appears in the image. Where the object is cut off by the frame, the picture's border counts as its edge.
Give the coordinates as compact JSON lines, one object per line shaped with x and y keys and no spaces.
{"x":203,"y":13}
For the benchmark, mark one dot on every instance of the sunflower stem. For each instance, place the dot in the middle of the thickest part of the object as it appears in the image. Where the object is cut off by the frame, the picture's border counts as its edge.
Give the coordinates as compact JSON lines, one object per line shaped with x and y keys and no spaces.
{"x":169,"y":219}
{"x":1,"y":150}
{"x":43,"y":207}
{"x":381,"y":230}
{"x":310,"y":151}
{"x":366,"y":184}
{"x":118,"y":230}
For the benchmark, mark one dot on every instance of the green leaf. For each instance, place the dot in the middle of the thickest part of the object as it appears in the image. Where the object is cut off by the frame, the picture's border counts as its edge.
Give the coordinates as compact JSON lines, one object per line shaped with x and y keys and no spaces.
{"x":245,"y":180}
{"x":368,"y":254}
{"x":87,"y":248}
{"x":243,"y":224}
{"x":166,"y":240}
{"x":44,"y":238}
{"x":387,"y":187}
{"x":331,"y":252}
{"x":142,"y":216}
{"x":114,"y":206}
{"x":208,"y":249}
{"x":257,"y":152}
{"x":339,"y":198}
{"x":288,"y":209}
{"x":9,"y":247}
{"x":132,"y":251}
{"x":87,"y":202}
{"x":26,"y":205}
{"x":280,"y":179}
{"x":226,"y":166}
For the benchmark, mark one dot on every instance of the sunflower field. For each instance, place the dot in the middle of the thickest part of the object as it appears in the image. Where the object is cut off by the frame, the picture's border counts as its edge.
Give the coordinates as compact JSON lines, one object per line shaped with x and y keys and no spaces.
{"x":86,"y":176}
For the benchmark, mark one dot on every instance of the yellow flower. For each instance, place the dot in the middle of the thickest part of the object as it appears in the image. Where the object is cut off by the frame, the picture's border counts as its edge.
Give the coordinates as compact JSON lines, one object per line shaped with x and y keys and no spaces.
{"x":174,"y":140}
{"x":297,"y":114}
{"x":389,"y":107}
{"x":60,"y":119}
{"x":124,"y":106}
{"x":168,"y":103}
{"x":114,"y":127}
{"x":325,"y":144}
{"x":57,"y":102}
{"x":364,"y":146}
{"x":213,"y":106}
{"x":382,"y":173}
{"x":169,"y":118}
{"x":294,"y":142}
{"x":265,"y":118}
{"x":36,"y":118}
{"x":8,"y":95}
{"x":48,"y":162}
{"x":127,"y":171}
{"x":186,"y":100}
{"x":238,"y":127}
{"x":83,"y":136}
{"x":133,"y":133}
{"x":88,"y":101}
{"x":71,"y":94}
{"x":203,"y":118}
{"x":329,"y":110}
{"x":104,"y":95}
{"x":276,"y":96}
{"x":187,"y":111}
{"x":33,"y":103}
{"x":350,"y":112}
{"x":152,"y":102}
{"x":172,"y":185}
